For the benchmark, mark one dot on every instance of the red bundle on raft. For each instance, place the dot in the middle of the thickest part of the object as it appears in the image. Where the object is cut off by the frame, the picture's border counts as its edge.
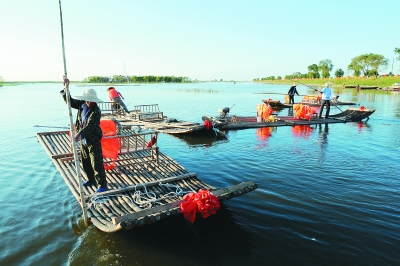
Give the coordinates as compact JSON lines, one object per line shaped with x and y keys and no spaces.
{"x":202,"y":202}
{"x":303,"y":111}
{"x":264,"y":111}
{"x":110,"y":146}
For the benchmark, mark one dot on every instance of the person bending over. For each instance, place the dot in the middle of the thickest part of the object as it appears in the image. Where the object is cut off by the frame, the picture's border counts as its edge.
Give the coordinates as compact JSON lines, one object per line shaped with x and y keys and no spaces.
{"x":116,"y":97}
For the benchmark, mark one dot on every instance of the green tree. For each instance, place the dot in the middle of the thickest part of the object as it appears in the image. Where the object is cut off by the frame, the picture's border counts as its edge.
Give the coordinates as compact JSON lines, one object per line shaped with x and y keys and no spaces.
{"x":356,"y":68}
{"x":325,"y":66}
{"x":119,"y":79}
{"x":397,"y":51}
{"x":369,"y":63}
{"x":339,"y":73}
{"x":313,"y":71}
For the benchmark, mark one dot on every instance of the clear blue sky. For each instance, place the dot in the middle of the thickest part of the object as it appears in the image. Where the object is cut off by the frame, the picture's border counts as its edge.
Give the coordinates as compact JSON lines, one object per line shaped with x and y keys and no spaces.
{"x":205,"y":40}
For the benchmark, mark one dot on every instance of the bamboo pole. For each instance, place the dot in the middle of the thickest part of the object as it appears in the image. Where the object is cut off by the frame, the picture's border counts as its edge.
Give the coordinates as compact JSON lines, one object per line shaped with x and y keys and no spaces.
{"x":71,"y":123}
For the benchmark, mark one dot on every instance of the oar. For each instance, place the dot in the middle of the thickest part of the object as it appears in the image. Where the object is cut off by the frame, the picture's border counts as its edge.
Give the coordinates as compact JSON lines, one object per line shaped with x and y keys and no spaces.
{"x":71,"y":123}
{"x":303,"y":84}
{"x":51,"y":126}
{"x":276,"y":93}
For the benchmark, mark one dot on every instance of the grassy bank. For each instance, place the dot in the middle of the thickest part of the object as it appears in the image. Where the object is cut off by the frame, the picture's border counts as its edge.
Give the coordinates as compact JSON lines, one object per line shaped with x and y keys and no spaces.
{"x":362,"y":81}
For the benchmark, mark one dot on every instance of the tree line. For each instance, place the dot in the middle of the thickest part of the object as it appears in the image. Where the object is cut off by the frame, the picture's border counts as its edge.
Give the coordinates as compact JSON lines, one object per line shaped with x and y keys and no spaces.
{"x":368,"y":65}
{"x":135,"y":79}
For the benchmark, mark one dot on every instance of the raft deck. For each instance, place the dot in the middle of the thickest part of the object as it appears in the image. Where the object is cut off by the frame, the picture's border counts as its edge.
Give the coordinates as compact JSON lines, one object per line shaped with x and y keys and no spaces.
{"x":145,"y":186}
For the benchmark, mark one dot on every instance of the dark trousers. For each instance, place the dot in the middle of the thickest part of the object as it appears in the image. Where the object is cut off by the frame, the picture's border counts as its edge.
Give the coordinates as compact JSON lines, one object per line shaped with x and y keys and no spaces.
{"x":92,"y":161}
{"x":328,"y":108}
{"x":291,"y":99}
{"x":118,"y":101}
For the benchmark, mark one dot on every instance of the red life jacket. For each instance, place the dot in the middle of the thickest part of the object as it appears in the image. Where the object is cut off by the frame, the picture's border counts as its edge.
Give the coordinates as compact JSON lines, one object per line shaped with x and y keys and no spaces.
{"x":112,"y":93}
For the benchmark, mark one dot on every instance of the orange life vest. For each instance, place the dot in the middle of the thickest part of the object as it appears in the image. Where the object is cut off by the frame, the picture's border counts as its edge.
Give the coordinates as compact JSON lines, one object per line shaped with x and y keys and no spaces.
{"x":112,"y":93}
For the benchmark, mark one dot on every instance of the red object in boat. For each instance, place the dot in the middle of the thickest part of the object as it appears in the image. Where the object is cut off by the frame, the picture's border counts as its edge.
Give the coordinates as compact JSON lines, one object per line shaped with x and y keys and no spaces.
{"x":152,"y":142}
{"x":207,"y":124}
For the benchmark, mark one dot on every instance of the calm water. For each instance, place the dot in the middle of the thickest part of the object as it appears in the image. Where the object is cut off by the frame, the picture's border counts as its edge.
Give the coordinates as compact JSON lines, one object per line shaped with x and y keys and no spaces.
{"x":328,"y":195}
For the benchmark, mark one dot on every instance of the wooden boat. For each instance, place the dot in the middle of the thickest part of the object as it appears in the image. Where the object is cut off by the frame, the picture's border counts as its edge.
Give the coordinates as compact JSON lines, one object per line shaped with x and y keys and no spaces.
{"x":349,"y":115}
{"x":277,"y":103}
{"x":145,"y":184}
{"x":177,"y":127}
{"x":196,"y":140}
{"x":149,"y":116}
{"x":361,"y":87}
{"x":311,"y":100}
{"x":354,"y":114}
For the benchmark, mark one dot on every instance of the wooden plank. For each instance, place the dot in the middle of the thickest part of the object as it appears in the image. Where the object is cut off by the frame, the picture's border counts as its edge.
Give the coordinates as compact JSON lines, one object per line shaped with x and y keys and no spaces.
{"x":218,"y":192}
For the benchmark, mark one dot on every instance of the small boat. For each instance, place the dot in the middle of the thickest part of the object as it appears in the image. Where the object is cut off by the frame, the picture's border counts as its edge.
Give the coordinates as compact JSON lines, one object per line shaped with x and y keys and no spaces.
{"x":150,"y":117}
{"x":348,"y":115}
{"x":311,"y":100}
{"x":277,"y":103}
{"x":354,"y":114}
{"x":361,"y":87}
{"x":177,"y":127}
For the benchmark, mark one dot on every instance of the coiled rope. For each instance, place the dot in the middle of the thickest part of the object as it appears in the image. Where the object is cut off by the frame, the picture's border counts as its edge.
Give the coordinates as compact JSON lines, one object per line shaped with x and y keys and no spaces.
{"x":144,"y":200}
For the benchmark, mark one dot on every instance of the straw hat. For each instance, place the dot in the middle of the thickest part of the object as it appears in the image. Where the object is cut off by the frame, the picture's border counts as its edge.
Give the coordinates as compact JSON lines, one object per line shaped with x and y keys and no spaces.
{"x":294,"y":84}
{"x":327,"y":84}
{"x":89,"y":95}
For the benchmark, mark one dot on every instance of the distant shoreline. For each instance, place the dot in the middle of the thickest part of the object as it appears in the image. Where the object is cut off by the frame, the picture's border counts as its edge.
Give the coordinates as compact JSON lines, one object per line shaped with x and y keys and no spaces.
{"x":380,"y":82}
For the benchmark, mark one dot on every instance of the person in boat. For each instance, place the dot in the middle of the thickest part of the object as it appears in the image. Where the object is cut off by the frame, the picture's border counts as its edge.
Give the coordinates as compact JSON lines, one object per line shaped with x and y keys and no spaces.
{"x":88,"y":134}
{"x":292,"y":91}
{"x":326,"y":93}
{"x":116,"y":97}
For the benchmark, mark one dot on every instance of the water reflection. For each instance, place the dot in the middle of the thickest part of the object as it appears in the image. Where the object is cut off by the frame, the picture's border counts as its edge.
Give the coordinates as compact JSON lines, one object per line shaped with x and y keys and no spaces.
{"x":322,"y":141}
{"x":263,"y":134}
{"x":203,"y":141}
{"x":206,"y":241}
{"x":361,"y":126}
{"x":302,"y":131}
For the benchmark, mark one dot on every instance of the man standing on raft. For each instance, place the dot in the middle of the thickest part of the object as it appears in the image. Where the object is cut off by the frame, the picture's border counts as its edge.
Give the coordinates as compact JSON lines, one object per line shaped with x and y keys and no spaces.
{"x":88,"y":134}
{"x":291,"y":93}
{"x":325,"y":100}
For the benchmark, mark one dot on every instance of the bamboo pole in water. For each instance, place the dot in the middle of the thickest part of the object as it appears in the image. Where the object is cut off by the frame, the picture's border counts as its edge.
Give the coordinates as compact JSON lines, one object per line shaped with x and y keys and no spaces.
{"x":71,"y":123}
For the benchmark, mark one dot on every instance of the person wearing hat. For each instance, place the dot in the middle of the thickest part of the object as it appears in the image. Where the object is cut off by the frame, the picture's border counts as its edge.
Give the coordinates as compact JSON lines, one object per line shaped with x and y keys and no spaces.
{"x":116,"y":97}
{"x":88,"y":134}
{"x":292,"y":91}
{"x":325,"y":100}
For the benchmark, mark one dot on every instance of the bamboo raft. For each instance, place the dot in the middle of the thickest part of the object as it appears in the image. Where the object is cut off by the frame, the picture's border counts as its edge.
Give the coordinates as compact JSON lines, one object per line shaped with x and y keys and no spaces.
{"x":279,"y":104}
{"x":349,"y":115}
{"x":150,"y":117}
{"x":139,"y":170}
